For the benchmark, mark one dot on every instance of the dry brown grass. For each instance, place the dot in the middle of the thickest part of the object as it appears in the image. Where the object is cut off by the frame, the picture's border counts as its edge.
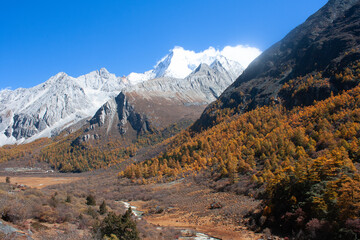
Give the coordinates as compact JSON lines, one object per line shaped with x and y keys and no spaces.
{"x":40,"y":182}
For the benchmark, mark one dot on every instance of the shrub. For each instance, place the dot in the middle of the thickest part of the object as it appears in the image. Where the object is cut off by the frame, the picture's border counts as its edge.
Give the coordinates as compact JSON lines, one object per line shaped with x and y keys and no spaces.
{"x":354,"y":225}
{"x":15,"y":211}
{"x":319,"y":229}
{"x":91,"y":212}
{"x":47,"y":214}
{"x":38,"y":226}
{"x":53,"y":202}
{"x":123,"y":227}
{"x":90,"y":200}
{"x":103,"y":208}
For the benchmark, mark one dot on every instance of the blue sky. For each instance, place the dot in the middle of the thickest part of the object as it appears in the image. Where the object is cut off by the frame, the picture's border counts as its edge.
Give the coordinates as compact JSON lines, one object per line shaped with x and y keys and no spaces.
{"x":41,"y":38}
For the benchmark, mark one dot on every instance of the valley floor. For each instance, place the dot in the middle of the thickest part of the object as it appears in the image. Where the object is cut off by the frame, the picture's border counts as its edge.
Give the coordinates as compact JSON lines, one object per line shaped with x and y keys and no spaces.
{"x":170,"y":210}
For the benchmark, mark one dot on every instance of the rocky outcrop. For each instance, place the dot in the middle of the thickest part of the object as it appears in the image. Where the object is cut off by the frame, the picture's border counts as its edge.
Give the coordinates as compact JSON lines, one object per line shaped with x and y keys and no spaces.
{"x":109,"y":109}
{"x":127,"y":114}
{"x":115,"y":117}
{"x":26,"y":126}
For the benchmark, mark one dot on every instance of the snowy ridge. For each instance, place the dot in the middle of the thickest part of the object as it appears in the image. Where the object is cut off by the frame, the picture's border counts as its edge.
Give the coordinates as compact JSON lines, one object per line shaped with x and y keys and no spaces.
{"x":179,"y":63}
{"x":202,"y":86}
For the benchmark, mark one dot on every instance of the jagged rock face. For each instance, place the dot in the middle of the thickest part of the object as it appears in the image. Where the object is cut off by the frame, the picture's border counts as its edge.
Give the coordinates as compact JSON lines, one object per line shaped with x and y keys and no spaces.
{"x":108,"y":109}
{"x":328,"y":40}
{"x":127,"y":114}
{"x":27,"y":126}
{"x":115,"y":118}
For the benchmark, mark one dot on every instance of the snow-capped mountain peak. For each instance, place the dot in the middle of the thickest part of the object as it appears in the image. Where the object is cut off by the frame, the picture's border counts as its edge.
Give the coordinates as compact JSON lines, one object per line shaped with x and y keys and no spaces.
{"x":179,"y":63}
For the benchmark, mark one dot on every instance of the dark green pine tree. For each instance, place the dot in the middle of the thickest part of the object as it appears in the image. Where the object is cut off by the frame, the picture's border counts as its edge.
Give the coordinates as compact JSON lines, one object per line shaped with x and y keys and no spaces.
{"x":103,"y":208}
{"x":90,"y":200}
{"x":124,"y":227}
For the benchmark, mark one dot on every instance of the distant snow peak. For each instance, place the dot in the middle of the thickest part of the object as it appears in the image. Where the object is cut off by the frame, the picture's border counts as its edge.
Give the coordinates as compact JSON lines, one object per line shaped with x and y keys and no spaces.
{"x":179,"y":63}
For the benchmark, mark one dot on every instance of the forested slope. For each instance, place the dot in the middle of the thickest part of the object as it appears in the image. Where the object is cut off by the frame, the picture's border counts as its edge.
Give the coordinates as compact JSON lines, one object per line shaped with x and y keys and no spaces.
{"x":300,"y":161}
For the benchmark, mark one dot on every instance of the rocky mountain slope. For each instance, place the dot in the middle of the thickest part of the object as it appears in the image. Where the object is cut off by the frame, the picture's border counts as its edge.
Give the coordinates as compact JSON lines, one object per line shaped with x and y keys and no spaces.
{"x":157,"y":103}
{"x":62,"y":101}
{"x":325,"y":43}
